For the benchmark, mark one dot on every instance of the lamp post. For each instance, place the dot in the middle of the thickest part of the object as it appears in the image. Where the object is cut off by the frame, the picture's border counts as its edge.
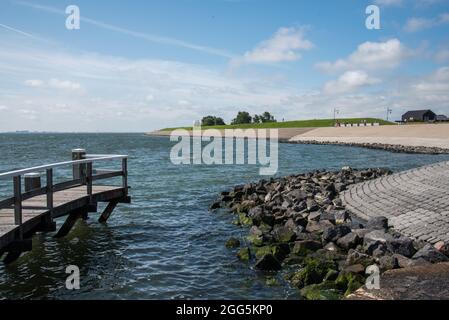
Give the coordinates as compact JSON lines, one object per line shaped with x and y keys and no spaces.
{"x":336,"y":111}
{"x":389,"y":111}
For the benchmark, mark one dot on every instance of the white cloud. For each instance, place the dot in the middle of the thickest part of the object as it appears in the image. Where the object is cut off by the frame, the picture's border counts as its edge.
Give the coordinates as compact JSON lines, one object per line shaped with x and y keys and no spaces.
{"x":388,"y":3}
{"x":2,"y":108}
{"x":370,"y":56}
{"x":34,"y":83}
{"x":419,"y":24}
{"x":63,"y":84}
{"x":349,"y":81}
{"x":442,"y":55}
{"x":149,"y":97}
{"x":437,"y":82}
{"x":285,"y":45}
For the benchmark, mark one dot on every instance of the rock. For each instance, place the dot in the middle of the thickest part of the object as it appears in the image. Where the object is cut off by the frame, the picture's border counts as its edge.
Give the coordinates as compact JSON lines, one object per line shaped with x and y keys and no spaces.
{"x":349,"y":282}
{"x":233,"y":243}
{"x":404,"y":262}
{"x":430,"y":254}
{"x":283,"y":234}
{"x":278,"y":251}
{"x":373,"y":239}
{"x":388,"y":263}
{"x":335,"y":232}
{"x":268,"y":263}
{"x":244,"y":254}
{"x":318,"y":227}
{"x":311,"y":205}
{"x":327,"y":216}
{"x":314,"y":216}
{"x":341,"y":216}
{"x":313,"y":272}
{"x":305,"y":246}
{"x":356,"y":257}
{"x":331,"y":247}
{"x":442,"y":247}
{"x":402,"y":245}
{"x":215,"y":206}
{"x":349,"y":241}
{"x":377,"y":223}
{"x":323,"y":291}
{"x":331,"y":275}
{"x":355,"y":268}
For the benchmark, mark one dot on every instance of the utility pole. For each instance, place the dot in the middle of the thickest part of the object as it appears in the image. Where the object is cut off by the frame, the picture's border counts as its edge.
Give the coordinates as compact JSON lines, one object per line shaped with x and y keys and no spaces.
{"x":389,"y":111}
{"x":336,"y":111}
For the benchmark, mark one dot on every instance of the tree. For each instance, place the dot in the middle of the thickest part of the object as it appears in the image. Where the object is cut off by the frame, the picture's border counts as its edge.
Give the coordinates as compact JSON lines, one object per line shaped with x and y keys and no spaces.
{"x":242,"y":118}
{"x":267,"y":117}
{"x":257,"y":119}
{"x":212,"y":121}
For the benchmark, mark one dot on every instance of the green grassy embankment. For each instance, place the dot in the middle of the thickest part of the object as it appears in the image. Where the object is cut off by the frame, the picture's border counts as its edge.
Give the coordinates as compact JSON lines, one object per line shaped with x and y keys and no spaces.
{"x":290,"y":124}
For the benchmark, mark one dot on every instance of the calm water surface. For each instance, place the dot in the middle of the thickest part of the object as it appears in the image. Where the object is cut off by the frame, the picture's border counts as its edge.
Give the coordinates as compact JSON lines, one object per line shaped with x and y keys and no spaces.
{"x":165,"y":245}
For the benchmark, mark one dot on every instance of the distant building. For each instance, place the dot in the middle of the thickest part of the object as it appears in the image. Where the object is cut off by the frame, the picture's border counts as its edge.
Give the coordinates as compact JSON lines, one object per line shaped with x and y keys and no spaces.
{"x":419,"y":115}
{"x":442,"y":117}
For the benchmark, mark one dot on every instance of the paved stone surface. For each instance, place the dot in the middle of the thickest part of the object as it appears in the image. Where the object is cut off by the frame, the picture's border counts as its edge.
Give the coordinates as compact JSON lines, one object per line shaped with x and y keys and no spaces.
{"x":416,"y":201}
{"x":417,"y":283}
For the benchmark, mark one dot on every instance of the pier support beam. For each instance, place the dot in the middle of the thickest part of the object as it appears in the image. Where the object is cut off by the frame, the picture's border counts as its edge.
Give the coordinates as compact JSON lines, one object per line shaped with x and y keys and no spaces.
{"x":70,"y":222}
{"x":15,"y":249}
{"x":108,"y":211}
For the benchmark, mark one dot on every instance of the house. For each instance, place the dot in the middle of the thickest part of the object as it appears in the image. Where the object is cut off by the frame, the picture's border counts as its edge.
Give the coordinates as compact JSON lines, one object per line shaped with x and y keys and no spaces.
{"x":441,"y":117}
{"x":419,"y":115}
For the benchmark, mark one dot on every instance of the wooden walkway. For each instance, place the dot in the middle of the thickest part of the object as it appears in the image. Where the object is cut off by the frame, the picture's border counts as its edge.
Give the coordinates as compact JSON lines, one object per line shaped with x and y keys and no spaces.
{"x":35,"y":209}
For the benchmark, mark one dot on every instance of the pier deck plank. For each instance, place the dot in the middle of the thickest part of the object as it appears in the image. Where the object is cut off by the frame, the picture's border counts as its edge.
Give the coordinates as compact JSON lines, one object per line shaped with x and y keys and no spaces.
{"x":64,"y":202}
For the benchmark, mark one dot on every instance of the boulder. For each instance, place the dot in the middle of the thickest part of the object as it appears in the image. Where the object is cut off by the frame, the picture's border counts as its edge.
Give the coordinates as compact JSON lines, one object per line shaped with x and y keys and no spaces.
{"x":314,"y":216}
{"x":355,"y":268}
{"x":430,"y":254}
{"x":334,"y":233}
{"x":331,"y":247}
{"x":311,"y":205}
{"x":244,"y":254}
{"x":268,"y":263}
{"x":233,"y":243}
{"x":404,"y":262}
{"x":349,"y":241}
{"x":318,"y":227}
{"x":402,"y":245}
{"x":388,"y":263}
{"x":283,"y":234}
{"x":377,"y":223}
{"x":341,"y":216}
{"x":215,"y":206}
{"x":442,"y":247}
{"x":356,"y":257}
{"x":305,"y":246}
{"x":327,"y":216}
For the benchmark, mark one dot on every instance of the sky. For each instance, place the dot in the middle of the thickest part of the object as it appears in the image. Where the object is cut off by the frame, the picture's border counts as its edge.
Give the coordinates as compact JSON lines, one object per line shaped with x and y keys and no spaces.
{"x":140,"y":65}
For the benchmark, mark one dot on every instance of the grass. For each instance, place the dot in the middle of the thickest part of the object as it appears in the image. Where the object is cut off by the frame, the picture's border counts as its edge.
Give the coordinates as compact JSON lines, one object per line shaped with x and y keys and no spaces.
{"x":290,"y":124}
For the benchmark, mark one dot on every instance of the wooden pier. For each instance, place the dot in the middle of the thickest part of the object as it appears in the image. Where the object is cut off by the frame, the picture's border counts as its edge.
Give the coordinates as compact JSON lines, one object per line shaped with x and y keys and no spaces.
{"x":33,"y":208}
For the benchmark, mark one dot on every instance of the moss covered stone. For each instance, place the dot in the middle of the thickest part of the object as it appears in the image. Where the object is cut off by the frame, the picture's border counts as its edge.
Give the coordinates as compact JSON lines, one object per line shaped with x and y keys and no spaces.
{"x":322,"y":291}
{"x":244,"y":254}
{"x":233,"y":243}
{"x":349,"y":282}
{"x":313,"y":272}
{"x":245,"y":220}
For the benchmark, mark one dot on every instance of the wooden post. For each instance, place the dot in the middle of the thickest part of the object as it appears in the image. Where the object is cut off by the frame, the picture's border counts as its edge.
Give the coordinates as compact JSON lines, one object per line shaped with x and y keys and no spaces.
{"x":89,"y":180}
{"x":125,"y":175}
{"x":108,"y":211}
{"x":17,"y":201}
{"x":79,"y":170}
{"x":32,"y":181}
{"x":50,"y":189}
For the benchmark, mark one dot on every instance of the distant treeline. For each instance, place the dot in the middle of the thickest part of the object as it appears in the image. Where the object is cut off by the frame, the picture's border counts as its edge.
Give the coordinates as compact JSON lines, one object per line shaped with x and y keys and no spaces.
{"x":242,"y":117}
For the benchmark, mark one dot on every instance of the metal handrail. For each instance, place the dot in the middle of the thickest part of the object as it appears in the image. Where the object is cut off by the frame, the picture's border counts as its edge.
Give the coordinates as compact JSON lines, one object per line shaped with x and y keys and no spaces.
{"x":16,"y":173}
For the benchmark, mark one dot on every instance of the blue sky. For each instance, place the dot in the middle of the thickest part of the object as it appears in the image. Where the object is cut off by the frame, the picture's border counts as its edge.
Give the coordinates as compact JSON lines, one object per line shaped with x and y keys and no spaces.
{"x":142,"y":65}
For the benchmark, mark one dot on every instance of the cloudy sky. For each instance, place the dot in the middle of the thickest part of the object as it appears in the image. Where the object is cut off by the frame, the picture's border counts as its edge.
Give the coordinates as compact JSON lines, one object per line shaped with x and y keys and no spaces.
{"x":143,"y":65}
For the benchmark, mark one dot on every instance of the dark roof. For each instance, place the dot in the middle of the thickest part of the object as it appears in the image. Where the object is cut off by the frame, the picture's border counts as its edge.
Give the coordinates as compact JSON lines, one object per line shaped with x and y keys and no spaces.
{"x":416,"y":113}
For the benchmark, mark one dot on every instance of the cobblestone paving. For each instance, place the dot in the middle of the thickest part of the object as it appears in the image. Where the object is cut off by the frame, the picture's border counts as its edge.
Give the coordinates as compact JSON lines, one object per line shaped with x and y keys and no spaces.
{"x":416,"y":201}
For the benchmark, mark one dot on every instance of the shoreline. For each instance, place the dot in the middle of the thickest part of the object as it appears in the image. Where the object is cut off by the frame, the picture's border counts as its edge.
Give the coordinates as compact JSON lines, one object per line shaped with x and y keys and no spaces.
{"x":299,"y":228}
{"x":412,"y":139}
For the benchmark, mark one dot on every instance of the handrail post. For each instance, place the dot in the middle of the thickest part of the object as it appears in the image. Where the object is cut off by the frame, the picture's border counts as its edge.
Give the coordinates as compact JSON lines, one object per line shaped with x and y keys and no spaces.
{"x":79,"y":170}
{"x":89,"y":180}
{"x":17,"y":202}
{"x":50,"y":190}
{"x":125,"y":175}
